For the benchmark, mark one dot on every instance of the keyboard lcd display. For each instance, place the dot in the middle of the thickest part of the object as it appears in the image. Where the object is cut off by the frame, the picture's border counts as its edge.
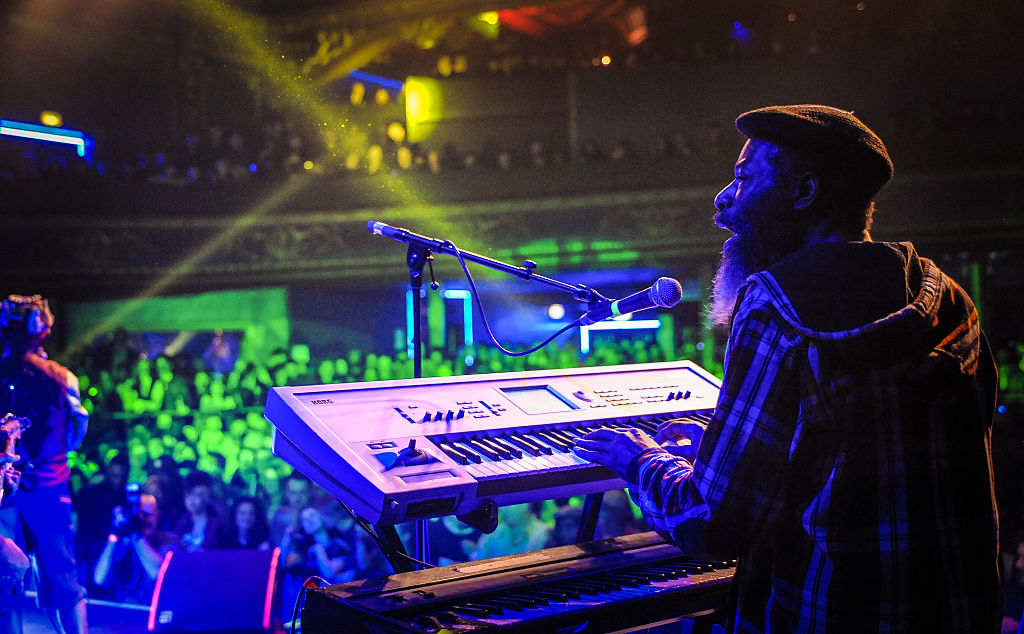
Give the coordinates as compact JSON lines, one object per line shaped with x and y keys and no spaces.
{"x":538,"y":399}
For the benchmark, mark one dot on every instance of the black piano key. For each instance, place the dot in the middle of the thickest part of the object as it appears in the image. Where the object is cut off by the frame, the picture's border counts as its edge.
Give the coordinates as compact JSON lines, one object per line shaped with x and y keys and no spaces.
{"x":475,"y":608}
{"x":565,"y":435}
{"x":514,"y":451}
{"x":631,"y":581}
{"x":465,"y":451}
{"x":691,"y":567}
{"x":480,"y":611}
{"x":508,"y":601}
{"x":505,"y":454}
{"x":646,"y":426}
{"x":453,"y":453}
{"x":645,"y":573}
{"x":668,"y":572}
{"x":561,"y":594}
{"x":533,"y":442}
{"x":566,"y":439}
{"x":583,"y":588}
{"x":554,"y":441}
{"x":648,"y":575}
{"x":482,"y":448}
{"x":709,"y":564}
{"x":468,"y":449}
{"x":534,"y":600}
{"x":523,"y":445}
{"x":591,"y":582}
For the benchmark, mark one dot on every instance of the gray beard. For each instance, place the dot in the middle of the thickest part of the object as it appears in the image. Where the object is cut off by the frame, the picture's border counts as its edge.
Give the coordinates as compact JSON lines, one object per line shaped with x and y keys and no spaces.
{"x":729,"y":279}
{"x":755,"y":247}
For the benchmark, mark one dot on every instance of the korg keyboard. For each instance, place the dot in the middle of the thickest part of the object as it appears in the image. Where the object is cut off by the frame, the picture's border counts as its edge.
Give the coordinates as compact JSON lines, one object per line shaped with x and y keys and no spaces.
{"x":412,"y":449}
{"x":611,"y":585}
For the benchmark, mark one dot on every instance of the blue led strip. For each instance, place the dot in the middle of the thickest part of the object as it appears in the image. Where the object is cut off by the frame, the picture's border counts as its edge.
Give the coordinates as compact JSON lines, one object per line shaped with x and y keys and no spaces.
{"x":467,"y":312}
{"x":77,"y":138}
{"x":383,"y":82}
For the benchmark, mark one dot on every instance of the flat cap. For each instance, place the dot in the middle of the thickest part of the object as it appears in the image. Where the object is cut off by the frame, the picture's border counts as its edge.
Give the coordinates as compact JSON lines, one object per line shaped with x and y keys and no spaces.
{"x":822,"y":131}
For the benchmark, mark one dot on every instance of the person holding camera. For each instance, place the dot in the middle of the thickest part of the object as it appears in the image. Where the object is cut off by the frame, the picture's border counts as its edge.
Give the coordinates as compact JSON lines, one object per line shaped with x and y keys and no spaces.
{"x":47,"y":394}
{"x":135,"y":548}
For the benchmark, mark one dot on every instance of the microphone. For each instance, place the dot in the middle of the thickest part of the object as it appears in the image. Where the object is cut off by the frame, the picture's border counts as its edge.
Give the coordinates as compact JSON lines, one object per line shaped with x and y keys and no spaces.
{"x":399,"y":234}
{"x":665,"y":292}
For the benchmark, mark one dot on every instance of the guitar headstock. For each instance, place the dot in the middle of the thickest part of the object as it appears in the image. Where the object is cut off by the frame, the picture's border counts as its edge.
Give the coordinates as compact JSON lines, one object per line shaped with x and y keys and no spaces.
{"x":11,"y":427}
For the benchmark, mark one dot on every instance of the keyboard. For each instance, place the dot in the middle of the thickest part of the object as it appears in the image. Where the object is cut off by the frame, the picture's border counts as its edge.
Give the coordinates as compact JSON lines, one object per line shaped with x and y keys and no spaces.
{"x":610,"y":585}
{"x":411,"y":449}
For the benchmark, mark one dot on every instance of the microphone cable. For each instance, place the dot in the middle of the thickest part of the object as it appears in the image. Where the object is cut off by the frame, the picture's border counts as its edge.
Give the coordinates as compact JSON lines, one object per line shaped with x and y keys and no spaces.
{"x":483,"y":315}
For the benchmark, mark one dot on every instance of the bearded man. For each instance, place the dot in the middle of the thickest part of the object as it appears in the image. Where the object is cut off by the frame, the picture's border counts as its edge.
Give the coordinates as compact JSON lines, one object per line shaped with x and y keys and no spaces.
{"x":848,"y":462}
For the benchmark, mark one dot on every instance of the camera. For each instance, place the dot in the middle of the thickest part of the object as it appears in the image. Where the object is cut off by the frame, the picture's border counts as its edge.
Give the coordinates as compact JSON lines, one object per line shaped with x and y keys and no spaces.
{"x":126,"y":519}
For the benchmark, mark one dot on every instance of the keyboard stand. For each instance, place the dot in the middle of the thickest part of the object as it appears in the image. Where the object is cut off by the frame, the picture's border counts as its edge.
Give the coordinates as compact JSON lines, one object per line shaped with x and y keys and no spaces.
{"x":397,"y":555}
{"x":588,"y":517}
{"x":394,"y":550}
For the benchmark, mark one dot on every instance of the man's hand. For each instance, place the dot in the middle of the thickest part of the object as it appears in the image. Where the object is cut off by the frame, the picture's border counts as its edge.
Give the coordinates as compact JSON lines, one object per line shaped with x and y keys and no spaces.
{"x":681,"y":437}
{"x":614,"y":448}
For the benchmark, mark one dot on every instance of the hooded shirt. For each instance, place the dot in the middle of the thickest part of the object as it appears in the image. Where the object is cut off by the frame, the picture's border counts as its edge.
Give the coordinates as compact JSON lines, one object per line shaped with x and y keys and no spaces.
{"x":848,"y":462}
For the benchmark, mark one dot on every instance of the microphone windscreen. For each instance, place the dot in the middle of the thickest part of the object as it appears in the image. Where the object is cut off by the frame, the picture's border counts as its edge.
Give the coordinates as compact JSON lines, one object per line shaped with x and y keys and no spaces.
{"x":666,"y":292}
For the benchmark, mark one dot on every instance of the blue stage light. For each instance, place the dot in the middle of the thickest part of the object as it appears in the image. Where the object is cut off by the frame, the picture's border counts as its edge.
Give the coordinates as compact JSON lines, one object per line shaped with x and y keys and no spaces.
{"x":82,"y":142}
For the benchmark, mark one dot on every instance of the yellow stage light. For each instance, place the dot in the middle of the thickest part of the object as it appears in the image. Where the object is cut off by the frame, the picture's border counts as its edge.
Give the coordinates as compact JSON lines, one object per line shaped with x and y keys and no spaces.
{"x":424,"y":107}
{"x":404,"y":156}
{"x":51,"y":118}
{"x":358,"y":93}
{"x":396,"y":132}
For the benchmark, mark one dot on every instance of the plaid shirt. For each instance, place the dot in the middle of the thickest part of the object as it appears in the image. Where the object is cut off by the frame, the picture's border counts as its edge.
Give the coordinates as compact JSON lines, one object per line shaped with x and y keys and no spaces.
{"x":850,"y":471}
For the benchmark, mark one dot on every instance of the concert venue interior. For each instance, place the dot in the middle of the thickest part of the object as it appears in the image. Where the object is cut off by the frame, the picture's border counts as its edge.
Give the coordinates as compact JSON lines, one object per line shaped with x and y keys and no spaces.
{"x":190,"y":182}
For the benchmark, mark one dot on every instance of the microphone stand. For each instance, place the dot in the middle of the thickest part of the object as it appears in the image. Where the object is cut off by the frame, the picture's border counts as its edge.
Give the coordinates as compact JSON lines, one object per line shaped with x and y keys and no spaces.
{"x":417,"y":256}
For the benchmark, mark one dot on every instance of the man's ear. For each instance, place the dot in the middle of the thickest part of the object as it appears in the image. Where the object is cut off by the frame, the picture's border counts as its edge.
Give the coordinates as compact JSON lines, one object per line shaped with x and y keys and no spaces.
{"x":807,"y":187}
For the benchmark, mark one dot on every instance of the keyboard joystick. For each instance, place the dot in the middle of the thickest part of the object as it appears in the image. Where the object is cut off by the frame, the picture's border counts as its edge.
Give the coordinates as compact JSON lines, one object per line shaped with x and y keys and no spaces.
{"x":411,"y":456}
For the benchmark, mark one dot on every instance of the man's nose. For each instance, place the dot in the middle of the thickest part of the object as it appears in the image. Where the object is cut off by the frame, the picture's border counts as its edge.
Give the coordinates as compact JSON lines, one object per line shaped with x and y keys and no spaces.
{"x":723,"y":200}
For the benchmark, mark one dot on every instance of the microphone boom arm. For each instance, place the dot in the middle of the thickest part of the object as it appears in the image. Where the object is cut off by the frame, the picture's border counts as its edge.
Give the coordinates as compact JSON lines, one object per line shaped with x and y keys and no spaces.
{"x":527,"y":271}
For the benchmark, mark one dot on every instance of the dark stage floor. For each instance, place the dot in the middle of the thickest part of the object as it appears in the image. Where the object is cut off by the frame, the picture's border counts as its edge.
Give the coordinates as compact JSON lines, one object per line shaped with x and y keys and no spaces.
{"x":104,"y":618}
